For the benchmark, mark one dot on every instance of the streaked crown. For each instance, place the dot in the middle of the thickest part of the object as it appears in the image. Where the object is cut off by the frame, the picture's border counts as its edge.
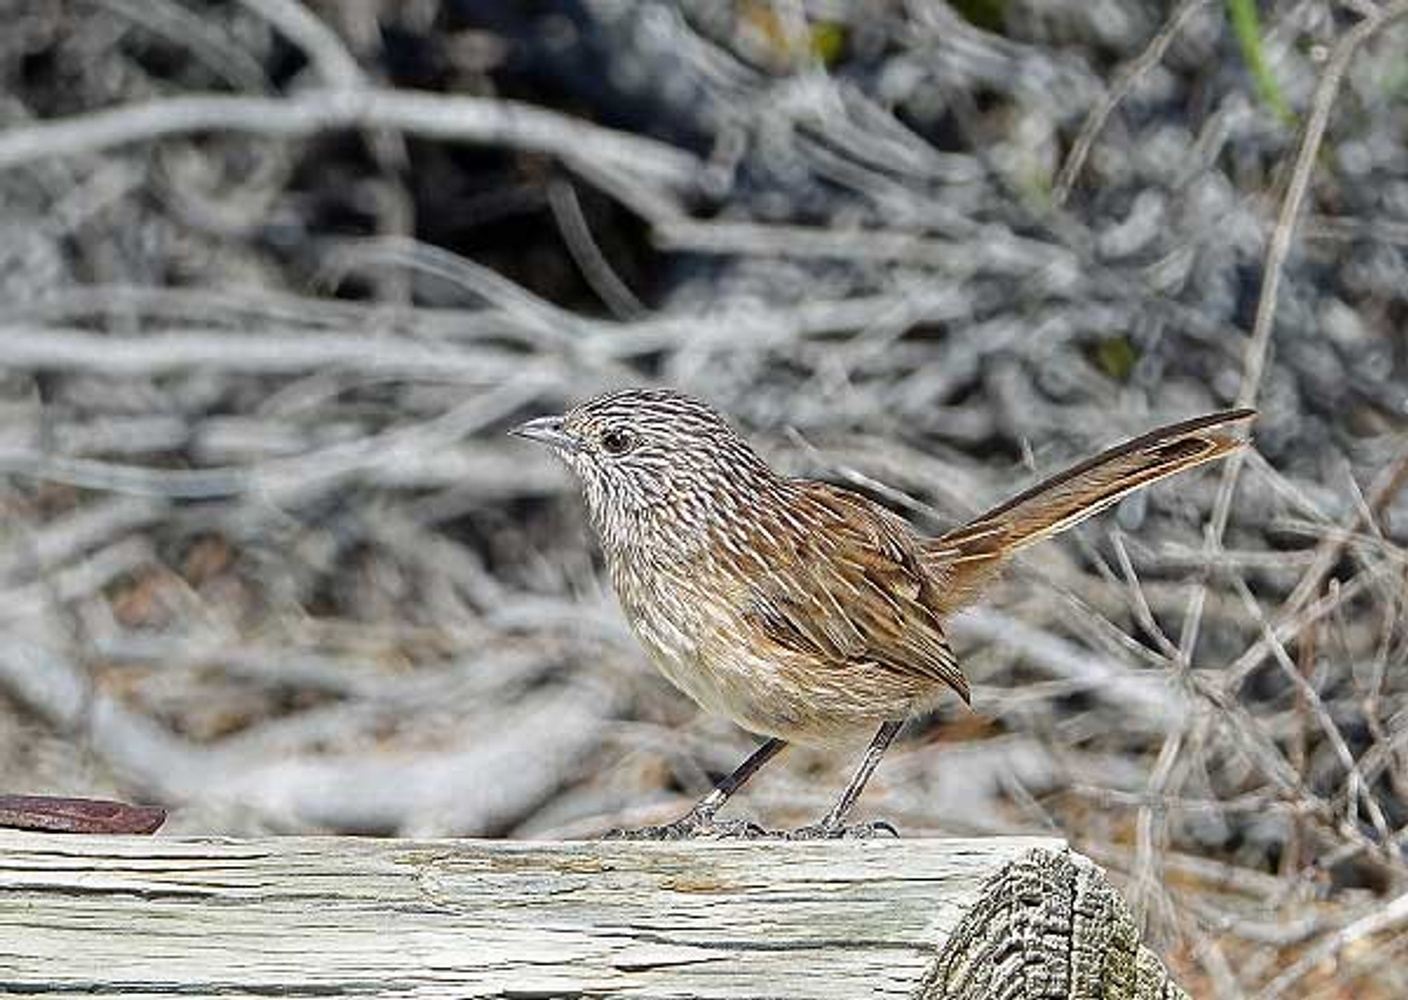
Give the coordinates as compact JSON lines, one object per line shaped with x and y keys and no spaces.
{"x":655,"y":465}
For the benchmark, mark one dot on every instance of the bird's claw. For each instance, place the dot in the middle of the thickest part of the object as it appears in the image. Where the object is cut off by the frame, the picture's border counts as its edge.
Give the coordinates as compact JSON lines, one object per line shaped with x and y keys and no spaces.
{"x":838,"y":831}
{"x":700,"y":826}
{"x":693,"y":826}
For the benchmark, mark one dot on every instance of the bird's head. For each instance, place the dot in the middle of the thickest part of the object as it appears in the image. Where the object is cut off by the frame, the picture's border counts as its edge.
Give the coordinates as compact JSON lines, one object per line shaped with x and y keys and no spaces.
{"x":651,"y":458}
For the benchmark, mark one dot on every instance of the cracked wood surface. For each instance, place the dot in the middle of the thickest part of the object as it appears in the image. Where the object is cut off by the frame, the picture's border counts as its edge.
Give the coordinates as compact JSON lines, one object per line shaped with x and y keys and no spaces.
{"x":298,"y":916}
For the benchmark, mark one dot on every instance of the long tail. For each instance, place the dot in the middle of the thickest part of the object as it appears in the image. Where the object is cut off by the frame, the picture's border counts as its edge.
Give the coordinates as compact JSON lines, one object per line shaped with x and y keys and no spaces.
{"x":969,"y":557}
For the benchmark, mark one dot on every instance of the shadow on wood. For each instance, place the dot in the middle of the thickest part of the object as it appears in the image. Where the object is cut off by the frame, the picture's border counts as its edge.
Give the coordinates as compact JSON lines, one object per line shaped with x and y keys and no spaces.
{"x":1009,"y":917}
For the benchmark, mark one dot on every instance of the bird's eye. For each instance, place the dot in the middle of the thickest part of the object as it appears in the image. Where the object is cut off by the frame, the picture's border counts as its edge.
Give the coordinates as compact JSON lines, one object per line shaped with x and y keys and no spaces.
{"x":617,"y":442}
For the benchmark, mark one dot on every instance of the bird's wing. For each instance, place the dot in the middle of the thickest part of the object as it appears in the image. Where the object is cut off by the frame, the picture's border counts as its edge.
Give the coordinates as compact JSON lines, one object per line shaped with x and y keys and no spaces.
{"x":845,"y":582}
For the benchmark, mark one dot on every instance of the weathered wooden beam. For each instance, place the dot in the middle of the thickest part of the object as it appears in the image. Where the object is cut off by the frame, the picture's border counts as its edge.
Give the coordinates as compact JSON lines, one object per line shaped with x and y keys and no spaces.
{"x":120,"y":916}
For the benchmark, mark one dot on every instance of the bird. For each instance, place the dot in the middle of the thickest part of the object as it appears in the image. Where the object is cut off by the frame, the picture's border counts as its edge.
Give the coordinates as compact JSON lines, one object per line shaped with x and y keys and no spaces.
{"x":805,"y":612}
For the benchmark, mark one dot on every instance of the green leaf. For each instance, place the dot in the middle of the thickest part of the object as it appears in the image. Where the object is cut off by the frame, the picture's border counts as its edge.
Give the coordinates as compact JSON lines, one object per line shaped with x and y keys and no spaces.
{"x":1116,"y":357}
{"x":828,"y":41}
{"x":1246,"y":24}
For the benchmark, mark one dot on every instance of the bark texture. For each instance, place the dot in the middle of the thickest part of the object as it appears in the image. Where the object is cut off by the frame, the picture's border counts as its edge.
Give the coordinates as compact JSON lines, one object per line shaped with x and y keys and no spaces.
{"x":1048,"y":925}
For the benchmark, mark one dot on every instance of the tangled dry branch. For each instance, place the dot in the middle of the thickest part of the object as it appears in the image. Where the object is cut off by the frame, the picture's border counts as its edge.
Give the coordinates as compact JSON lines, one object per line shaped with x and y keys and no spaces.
{"x":274,"y":277}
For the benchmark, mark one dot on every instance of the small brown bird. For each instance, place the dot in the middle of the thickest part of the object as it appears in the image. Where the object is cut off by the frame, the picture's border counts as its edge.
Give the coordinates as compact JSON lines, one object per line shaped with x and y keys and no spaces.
{"x":800,"y":610}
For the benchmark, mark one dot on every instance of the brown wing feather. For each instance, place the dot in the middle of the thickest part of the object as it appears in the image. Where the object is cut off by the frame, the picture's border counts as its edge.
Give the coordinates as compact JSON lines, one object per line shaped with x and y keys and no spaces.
{"x":970,"y":556}
{"x":854,"y":589}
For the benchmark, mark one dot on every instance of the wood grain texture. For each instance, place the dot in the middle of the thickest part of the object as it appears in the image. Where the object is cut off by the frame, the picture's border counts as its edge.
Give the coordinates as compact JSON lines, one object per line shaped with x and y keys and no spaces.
{"x":1048,"y":925}
{"x":108,"y":916}
{"x":1012,"y":917}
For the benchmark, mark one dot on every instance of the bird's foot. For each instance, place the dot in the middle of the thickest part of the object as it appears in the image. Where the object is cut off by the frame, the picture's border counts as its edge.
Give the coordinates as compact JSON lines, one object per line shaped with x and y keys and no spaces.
{"x":694,"y":826}
{"x":879,"y":829}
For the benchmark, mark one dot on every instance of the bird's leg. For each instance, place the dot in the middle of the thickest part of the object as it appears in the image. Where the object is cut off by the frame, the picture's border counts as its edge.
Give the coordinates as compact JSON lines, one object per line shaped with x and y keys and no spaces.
{"x":699,"y":821}
{"x":833,"y":824}
{"x":704,"y":810}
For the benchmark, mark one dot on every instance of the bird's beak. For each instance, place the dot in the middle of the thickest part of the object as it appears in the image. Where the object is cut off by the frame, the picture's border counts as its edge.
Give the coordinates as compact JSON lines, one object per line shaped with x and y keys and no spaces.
{"x":548,"y":431}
